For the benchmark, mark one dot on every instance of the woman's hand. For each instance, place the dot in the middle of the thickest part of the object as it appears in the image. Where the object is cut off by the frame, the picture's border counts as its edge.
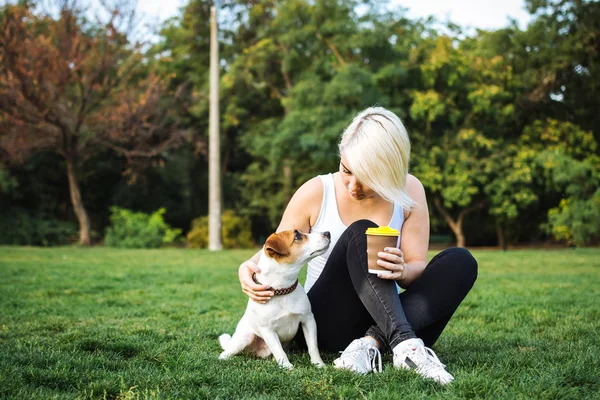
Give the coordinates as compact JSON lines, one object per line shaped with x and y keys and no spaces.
{"x":258,"y":293}
{"x":392,"y":259}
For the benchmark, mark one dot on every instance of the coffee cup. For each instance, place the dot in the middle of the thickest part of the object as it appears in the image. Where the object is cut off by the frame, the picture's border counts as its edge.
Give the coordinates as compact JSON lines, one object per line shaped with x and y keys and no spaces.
{"x":377,"y":240}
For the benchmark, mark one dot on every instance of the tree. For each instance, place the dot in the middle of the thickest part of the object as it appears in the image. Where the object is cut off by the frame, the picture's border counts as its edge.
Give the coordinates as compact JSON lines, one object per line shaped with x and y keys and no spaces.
{"x":182,"y":55}
{"x":7,"y":182}
{"x":72,"y":86}
{"x":560,"y":52}
{"x":567,"y":165}
{"x":454,"y":172}
{"x":458,"y":116}
{"x":306,"y":69}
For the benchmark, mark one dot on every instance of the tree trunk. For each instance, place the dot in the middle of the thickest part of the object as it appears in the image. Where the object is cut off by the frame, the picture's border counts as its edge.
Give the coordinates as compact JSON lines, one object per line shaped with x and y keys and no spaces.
{"x":460,"y":237}
{"x":78,"y":207}
{"x":456,"y":226}
{"x":502,"y":243}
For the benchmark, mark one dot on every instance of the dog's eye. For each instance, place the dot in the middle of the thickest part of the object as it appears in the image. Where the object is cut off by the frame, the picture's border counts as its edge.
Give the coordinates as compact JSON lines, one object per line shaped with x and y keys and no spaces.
{"x":298,"y":236}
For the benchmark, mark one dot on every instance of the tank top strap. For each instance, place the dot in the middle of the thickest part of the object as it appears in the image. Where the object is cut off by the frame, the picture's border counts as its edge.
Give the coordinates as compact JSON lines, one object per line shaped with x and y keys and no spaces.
{"x":397,"y":217}
{"x":329,"y":191}
{"x":328,"y":210}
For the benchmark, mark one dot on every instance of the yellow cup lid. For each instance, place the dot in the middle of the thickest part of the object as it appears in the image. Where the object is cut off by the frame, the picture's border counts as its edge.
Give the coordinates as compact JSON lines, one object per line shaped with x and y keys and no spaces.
{"x":383,"y":231}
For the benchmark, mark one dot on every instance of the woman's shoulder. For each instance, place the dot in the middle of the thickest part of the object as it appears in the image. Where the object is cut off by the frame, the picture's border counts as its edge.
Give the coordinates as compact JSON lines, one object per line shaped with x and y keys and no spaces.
{"x":414,"y":187}
{"x":311,"y":188}
{"x":304,"y":206}
{"x":416,"y":192}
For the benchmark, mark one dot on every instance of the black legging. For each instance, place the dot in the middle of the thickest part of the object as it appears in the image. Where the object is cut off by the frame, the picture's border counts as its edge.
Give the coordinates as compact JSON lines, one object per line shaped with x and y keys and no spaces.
{"x":348,"y":302}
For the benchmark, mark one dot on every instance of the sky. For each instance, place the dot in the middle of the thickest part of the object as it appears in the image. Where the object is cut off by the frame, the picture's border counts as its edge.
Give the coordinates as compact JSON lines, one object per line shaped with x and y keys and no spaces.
{"x":484,"y":14}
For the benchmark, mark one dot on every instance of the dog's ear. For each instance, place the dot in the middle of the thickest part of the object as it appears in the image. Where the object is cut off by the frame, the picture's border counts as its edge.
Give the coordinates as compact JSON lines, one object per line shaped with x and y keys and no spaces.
{"x":277,"y":245}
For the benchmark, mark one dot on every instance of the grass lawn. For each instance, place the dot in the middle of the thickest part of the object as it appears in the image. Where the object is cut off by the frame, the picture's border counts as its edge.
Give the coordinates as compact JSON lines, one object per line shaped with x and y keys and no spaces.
{"x":106,"y":323}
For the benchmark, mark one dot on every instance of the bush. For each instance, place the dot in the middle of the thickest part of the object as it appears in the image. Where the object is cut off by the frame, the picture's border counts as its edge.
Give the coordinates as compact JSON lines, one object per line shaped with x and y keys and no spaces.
{"x":23,"y":229}
{"x":576,"y":221}
{"x":130,"y":229}
{"x":236,"y":232}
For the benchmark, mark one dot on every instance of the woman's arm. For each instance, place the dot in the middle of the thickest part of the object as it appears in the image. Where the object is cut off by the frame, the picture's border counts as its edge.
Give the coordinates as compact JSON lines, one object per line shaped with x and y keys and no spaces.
{"x":409,"y":262}
{"x":258,"y":293}
{"x":415,"y":234}
{"x":301,"y":213}
{"x":303,"y":209}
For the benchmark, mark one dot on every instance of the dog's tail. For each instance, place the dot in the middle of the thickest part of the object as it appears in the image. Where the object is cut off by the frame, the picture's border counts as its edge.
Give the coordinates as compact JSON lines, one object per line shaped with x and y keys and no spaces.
{"x":224,"y":340}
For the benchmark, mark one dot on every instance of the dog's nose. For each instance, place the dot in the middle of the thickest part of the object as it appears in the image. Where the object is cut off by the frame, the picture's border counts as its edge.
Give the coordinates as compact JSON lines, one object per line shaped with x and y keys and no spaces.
{"x":327,"y":235}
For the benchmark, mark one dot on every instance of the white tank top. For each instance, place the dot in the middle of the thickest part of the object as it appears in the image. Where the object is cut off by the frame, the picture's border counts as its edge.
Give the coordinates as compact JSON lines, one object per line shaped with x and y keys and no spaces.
{"x":329,"y":220}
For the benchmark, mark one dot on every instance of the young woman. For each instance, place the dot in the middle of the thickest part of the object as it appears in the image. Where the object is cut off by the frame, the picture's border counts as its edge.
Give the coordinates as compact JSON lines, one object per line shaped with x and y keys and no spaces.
{"x":355,"y":310}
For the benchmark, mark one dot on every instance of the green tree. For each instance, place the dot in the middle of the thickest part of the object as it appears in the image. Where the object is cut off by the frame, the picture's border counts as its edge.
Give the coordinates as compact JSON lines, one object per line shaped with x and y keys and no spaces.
{"x":461,"y":115}
{"x":569,"y":167}
{"x":560,"y":58}
{"x":316,"y":64}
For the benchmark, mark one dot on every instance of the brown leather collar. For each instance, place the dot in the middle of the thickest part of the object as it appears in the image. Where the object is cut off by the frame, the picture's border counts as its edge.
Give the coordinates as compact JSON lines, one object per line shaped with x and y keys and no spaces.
{"x":278,"y":292}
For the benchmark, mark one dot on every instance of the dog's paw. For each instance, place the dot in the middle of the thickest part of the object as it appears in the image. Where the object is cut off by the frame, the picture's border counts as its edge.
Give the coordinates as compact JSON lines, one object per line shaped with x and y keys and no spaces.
{"x":286,"y":365}
{"x":224,"y":340}
{"x":319,"y":364}
{"x":224,"y":356}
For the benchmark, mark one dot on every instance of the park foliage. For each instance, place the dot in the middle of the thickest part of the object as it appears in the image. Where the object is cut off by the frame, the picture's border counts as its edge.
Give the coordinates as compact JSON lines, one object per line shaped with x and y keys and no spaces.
{"x":237,"y":233}
{"x":135,"y":230}
{"x":504,"y":124}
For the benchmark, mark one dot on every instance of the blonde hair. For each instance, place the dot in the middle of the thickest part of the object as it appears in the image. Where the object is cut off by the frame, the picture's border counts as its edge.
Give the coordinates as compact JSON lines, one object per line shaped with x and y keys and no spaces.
{"x":377,"y":151}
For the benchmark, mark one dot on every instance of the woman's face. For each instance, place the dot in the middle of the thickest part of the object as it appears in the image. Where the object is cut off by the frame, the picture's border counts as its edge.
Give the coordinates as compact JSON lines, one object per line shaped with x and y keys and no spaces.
{"x":355,"y":189}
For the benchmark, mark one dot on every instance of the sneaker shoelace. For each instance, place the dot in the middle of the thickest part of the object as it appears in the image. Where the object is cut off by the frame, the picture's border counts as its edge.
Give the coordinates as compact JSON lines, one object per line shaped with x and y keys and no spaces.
{"x":357,"y":356}
{"x":431,"y":364}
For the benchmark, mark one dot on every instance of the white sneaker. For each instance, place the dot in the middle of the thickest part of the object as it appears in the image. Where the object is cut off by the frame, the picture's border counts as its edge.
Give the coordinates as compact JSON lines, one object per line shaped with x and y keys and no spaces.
{"x":360,"y":356}
{"x":412,"y":354}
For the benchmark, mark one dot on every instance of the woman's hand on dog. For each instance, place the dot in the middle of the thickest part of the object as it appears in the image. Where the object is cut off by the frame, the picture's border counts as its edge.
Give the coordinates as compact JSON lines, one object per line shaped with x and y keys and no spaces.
{"x":392,"y":259}
{"x":258,"y":293}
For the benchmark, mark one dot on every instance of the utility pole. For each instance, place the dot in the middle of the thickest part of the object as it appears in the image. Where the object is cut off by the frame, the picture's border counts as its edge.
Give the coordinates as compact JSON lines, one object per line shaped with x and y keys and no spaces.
{"x":214,"y":146}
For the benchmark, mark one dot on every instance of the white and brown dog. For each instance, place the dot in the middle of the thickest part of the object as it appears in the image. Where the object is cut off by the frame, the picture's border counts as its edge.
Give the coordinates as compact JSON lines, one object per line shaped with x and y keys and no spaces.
{"x":264,"y":327}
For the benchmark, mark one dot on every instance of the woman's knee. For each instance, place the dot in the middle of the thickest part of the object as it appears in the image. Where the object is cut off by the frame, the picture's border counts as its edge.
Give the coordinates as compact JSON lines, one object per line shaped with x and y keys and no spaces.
{"x":461,"y":261}
{"x":355,"y":234}
{"x":361,"y":226}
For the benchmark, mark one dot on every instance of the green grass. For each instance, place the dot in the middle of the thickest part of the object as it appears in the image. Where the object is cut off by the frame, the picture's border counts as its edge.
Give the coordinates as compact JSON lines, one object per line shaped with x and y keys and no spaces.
{"x":106,"y":323}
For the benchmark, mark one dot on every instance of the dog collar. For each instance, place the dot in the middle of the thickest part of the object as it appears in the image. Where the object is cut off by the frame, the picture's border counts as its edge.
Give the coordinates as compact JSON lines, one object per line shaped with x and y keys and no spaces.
{"x":278,"y":292}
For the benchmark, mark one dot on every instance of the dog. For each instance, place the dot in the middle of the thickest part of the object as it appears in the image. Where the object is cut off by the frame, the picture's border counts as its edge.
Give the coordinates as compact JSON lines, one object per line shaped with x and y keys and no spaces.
{"x":264,"y":327}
